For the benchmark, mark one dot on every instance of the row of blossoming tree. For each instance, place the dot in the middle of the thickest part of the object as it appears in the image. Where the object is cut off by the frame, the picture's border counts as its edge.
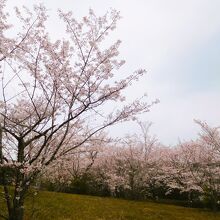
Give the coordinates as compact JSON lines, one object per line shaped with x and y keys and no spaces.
{"x":138,"y":167}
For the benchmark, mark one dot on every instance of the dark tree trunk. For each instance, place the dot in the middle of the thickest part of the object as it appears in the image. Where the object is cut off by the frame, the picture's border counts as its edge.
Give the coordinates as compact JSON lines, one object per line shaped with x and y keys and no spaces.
{"x":17,"y":210}
{"x":17,"y":213}
{"x":214,"y":202}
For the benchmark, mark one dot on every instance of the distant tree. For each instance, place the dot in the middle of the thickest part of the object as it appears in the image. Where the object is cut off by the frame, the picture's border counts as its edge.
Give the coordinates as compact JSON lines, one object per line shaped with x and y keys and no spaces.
{"x":53,"y":93}
{"x":195,"y":165}
{"x":133,"y":164}
{"x":74,"y":166}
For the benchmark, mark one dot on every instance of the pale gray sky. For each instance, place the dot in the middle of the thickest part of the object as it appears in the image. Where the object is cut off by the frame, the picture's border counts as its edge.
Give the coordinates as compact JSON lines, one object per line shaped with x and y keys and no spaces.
{"x":178,"y":43}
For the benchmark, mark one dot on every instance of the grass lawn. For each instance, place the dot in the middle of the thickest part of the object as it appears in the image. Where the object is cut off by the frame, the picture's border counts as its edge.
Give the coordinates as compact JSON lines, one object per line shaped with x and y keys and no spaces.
{"x":60,"y":206}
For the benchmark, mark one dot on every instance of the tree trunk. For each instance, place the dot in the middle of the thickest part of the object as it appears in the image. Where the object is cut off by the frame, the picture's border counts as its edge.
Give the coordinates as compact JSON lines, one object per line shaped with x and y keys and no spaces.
{"x":17,"y":212}
{"x":214,"y":202}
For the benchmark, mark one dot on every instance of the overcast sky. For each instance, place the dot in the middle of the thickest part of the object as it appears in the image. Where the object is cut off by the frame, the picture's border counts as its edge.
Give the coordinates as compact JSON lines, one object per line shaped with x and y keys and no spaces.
{"x":178,"y":43}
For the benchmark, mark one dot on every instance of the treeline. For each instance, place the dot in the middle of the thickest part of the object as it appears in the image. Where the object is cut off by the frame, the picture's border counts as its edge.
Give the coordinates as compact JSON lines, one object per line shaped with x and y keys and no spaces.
{"x":138,"y":167}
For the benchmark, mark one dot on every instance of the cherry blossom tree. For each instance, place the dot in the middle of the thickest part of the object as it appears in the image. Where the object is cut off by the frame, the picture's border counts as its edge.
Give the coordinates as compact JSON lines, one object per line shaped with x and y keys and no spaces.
{"x":132,"y":164}
{"x":55,"y":96}
{"x":74,"y":166}
{"x":206,"y":166}
{"x":195,"y":165}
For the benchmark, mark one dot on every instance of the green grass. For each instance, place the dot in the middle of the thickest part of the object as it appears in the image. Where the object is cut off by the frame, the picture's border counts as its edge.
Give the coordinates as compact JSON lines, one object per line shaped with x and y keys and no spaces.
{"x":60,"y":206}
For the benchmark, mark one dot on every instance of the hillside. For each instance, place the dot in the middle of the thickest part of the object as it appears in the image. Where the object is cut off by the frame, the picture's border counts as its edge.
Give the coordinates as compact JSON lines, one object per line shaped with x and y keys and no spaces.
{"x":59,"y":206}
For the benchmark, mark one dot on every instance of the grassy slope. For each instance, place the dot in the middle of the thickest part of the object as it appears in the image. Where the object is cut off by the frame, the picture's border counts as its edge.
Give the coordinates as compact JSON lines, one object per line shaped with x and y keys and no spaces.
{"x":59,"y":206}
{"x":65,"y":206}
